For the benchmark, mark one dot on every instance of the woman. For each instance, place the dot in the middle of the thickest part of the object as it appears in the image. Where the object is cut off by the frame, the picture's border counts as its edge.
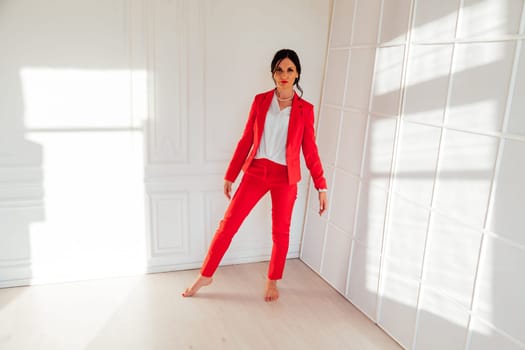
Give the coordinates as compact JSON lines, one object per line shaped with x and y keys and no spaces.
{"x":279,"y":124}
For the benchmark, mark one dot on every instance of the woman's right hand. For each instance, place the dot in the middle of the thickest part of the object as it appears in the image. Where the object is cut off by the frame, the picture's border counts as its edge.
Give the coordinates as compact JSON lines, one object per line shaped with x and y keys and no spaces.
{"x":228,"y":188}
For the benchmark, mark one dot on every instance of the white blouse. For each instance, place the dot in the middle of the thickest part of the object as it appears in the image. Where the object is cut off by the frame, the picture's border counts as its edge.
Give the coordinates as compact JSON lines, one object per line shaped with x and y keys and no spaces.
{"x":275,"y":134}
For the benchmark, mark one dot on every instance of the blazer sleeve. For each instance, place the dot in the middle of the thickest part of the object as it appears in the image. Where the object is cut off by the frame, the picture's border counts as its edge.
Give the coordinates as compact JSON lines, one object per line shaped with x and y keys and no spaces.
{"x":311,"y":154}
{"x":243,"y":146}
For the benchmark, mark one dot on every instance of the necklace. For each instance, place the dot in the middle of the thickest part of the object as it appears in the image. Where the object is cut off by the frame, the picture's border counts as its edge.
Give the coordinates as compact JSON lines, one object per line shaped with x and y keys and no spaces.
{"x":284,"y":99}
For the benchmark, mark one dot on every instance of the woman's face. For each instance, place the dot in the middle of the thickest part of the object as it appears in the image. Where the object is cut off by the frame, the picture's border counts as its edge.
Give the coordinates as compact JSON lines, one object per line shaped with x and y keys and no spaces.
{"x":285,"y":74}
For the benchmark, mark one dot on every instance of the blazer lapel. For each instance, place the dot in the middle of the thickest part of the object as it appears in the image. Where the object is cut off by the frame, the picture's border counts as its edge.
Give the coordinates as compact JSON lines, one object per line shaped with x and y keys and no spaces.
{"x":297,"y":109}
{"x":261,"y":116}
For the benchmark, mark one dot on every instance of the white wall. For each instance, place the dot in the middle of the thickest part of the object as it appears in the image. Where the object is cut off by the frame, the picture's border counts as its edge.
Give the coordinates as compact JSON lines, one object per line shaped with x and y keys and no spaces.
{"x":117,"y":120}
{"x":425,"y":228}
{"x":71,"y":169}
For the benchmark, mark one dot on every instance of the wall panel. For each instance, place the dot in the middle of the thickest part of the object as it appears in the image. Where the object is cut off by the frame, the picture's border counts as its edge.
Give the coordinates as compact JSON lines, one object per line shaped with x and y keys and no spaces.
{"x":169,"y":57}
{"x":351,"y":145}
{"x":337,"y":251}
{"x":516,"y":123}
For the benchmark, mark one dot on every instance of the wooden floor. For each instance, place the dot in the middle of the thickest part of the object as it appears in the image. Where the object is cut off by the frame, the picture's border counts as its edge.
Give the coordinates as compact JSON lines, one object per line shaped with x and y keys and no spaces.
{"x":148,"y":313}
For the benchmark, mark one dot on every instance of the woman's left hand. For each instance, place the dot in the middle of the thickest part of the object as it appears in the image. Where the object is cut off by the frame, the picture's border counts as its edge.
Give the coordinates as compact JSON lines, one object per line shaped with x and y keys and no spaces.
{"x":323,"y":203}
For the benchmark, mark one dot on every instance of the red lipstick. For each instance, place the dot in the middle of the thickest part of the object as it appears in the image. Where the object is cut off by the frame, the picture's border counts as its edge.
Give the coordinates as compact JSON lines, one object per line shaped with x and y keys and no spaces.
{"x":284,"y":81}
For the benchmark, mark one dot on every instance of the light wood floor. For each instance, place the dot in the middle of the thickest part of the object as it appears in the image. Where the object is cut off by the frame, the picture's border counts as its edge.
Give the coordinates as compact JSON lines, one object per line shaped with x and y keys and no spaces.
{"x":148,"y":313}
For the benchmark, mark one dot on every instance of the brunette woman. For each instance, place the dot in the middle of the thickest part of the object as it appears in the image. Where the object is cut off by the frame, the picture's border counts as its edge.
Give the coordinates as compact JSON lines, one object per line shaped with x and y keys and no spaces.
{"x":280,"y":124}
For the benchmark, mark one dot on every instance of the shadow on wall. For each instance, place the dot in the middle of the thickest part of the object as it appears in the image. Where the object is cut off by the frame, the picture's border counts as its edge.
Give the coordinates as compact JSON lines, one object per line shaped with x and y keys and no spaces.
{"x":447,"y":268}
{"x":21,"y":183}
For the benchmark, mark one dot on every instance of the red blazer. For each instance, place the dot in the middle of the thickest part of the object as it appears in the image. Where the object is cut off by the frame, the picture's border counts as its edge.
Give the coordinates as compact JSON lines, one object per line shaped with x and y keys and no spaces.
{"x":300,"y":134}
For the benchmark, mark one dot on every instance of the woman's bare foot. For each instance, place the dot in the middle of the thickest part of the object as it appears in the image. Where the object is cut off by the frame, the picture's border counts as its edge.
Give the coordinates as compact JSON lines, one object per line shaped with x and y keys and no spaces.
{"x":201,"y":281}
{"x":272,"y":293}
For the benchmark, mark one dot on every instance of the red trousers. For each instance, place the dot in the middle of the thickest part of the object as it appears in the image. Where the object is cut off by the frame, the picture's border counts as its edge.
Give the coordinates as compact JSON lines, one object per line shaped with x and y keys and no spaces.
{"x":262,"y":176}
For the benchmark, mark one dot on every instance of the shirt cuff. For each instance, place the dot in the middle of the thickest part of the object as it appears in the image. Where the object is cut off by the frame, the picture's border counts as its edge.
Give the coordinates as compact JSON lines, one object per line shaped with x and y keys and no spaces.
{"x":322,"y":190}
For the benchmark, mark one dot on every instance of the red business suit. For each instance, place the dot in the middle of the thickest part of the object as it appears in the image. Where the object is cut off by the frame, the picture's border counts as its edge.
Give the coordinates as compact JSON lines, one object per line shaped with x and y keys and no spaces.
{"x":300,"y":133}
{"x":262,"y":176}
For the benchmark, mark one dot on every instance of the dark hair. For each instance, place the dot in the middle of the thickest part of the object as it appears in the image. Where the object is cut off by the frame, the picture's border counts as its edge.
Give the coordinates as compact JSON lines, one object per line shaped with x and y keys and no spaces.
{"x":287,"y":53}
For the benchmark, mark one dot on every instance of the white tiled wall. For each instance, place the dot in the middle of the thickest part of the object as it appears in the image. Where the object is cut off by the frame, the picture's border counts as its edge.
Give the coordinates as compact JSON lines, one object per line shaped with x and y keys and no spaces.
{"x":422,"y":133}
